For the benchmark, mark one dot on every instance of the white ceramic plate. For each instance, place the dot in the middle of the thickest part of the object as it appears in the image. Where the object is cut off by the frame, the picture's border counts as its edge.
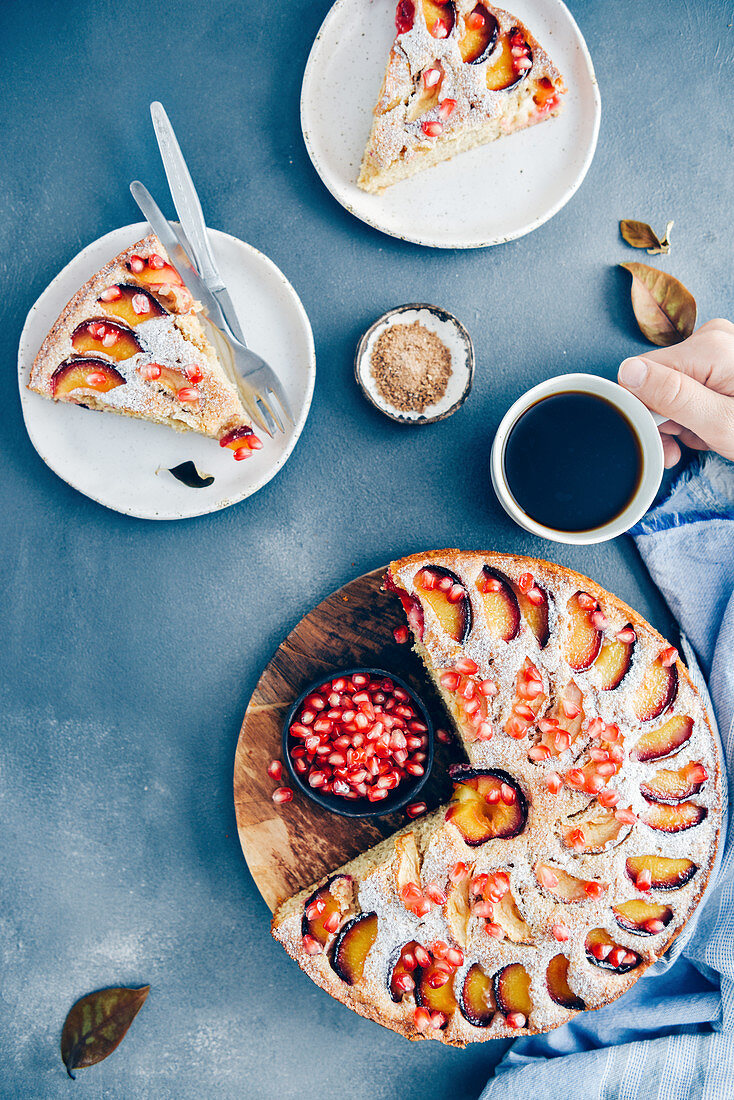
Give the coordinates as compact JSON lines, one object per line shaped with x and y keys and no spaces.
{"x":486,"y":196}
{"x":124,"y":463}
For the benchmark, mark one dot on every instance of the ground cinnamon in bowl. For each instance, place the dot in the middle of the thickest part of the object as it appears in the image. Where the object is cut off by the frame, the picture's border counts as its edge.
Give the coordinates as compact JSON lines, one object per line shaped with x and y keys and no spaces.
{"x":411,"y":367}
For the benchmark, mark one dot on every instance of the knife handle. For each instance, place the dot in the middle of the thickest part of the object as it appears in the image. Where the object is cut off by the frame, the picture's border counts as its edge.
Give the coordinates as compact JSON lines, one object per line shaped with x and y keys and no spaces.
{"x":185,"y":198}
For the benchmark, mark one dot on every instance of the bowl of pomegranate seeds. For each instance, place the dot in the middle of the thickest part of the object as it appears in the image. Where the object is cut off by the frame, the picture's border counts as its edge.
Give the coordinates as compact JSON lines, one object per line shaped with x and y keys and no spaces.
{"x":359,"y":743}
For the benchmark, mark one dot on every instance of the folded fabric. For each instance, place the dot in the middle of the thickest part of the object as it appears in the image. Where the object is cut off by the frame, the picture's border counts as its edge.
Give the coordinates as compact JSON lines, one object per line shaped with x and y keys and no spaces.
{"x":671,"y":1037}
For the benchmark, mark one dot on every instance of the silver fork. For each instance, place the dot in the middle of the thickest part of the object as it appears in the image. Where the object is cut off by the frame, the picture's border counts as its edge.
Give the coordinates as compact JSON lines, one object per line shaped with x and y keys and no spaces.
{"x":252,"y":372}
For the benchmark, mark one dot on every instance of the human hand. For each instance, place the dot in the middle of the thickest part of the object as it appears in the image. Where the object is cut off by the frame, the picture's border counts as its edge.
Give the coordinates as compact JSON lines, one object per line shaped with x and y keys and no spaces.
{"x":692,"y":384}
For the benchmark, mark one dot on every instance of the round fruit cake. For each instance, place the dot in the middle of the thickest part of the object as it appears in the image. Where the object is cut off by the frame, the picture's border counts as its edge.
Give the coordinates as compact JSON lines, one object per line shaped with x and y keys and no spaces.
{"x":580,"y":835}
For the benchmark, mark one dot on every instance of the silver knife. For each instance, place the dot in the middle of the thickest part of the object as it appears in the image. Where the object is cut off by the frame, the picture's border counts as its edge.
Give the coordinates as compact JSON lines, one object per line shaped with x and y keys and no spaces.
{"x":190,"y":215}
{"x":175,"y":243}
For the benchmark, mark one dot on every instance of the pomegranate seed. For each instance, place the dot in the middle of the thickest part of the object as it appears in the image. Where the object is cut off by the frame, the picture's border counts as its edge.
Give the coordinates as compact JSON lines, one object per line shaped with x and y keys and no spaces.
{"x":444,"y":736}
{"x":599,"y":620}
{"x":416,"y":809}
{"x":95,"y":378}
{"x":436,"y":895}
{"x":456,"y":592}
{"x":475,"y":22}
{"x":596,"y":728}
{"x":629,"y":958}
{"x":626,"y":636}
{"x":438,"y":1020}
{"x":137,"y":264}
{"x":577,"y":839}
{"x":275,"y":770}
{"x":431,"y":78}
{"x":282,"y":794}
{"x":522,"y":710}
{"x":316,"y":702}
{"x":438,"y":978}
{"x":479,"y":884}
{"x":421,"y":955}
{"x":525,"y":581}
{"x":400,"y":634}
{"x":561,"y":932}
{"x":562,"y":741}
{"x":140,"y":304}
{"x":404,"y":983}
{"x":616,"y":753}
{"x":538,"y":753}
{"x":488,"y":687}
{"x":570,"y":710}
{"x":466,"y":666}
{"x":422,"y":1018}
{"x":189,"y":394}
{"x":613,"y":733}
{"x":404,"y":16}
{"x":458,"y":872}
{"x":445,"y":110}
{"x":586,"y":601}
{"x":654,"y":926}
{"x":449,"y":680}
{"x":483,"y":908}
{"x":616,"y":956}
{"x":516,"y":728}
{"x":455,"y":956}
{"x":594,"y":889}
{"x":111,"y":294}
{"x":515,"y":1019}
{"x":195,"y":375}
{"x":554,"y":782}
{"x":508,"y":793}
{"x":301,"y":766}
{"x":668,"y":657}
{"x":484,"y":731}
{"x":492,"y":797}
{"x":110,"y":338}
{"x":332,"y":922}
{"x":594,"y":783}
{"x":698,"y":774}
{"x":155,"y":261}
{"x":546,"y":877}
{"x":644,"y":880}
{"x":439,"y":29}
{"x":316,"y":779}
{"x":606,"y":769}
{"x":536,"y":596}
{"x":494,"y":930}
{"x":575,"y":778}
{"x":491,"y":584}
{"x":311,"y":946}
{"x":626,"y":816}
{"x":608,"y":798}
{"x":409,"y":960}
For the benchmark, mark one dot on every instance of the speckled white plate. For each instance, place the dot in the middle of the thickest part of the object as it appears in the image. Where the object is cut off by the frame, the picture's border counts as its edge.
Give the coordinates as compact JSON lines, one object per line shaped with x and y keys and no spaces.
{"x":124,"y":463}
{"x":486,"y":196}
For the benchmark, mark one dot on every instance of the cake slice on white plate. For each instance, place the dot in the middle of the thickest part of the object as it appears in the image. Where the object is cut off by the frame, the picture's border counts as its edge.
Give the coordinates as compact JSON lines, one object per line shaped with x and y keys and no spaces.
{"x":130,"y":342}
{"x":460,"y":74}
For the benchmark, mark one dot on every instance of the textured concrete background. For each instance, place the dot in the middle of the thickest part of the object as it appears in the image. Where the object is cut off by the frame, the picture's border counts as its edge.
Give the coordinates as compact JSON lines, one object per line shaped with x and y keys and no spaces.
{"x":130,"y":648}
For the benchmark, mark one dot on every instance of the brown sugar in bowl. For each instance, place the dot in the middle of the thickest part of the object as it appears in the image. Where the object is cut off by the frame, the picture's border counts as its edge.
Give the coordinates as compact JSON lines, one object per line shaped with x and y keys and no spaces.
{"x":436,"y":329}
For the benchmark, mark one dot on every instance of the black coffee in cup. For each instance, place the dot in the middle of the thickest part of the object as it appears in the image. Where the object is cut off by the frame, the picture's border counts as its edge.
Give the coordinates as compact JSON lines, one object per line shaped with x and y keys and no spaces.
{"x":572,"y":462}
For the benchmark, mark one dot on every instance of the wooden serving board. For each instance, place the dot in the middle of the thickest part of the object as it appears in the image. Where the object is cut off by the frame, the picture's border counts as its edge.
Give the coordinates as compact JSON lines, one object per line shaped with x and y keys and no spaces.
{"x":289,"y":846}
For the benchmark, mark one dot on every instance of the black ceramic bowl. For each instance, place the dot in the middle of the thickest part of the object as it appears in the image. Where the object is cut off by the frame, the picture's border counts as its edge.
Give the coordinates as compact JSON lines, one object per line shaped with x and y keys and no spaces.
{"x":406,"y":791}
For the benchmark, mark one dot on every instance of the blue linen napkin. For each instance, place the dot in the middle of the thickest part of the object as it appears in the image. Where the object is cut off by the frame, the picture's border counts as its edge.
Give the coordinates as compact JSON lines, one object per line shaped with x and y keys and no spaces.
{"x":671,"y":1037}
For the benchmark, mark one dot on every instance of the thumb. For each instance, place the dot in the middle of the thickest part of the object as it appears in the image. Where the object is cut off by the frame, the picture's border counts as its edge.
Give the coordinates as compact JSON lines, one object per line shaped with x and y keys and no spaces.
{"x":678,"y":397}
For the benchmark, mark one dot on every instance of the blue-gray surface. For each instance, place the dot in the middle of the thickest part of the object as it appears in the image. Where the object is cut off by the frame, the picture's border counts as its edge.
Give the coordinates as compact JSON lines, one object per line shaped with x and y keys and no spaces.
{"x":131,"y":648}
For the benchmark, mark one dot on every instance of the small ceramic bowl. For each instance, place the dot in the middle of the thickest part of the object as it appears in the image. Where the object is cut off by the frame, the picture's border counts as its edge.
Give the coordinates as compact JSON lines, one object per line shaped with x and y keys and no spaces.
{"x":405,"y":792}
{"x":450,"y":331}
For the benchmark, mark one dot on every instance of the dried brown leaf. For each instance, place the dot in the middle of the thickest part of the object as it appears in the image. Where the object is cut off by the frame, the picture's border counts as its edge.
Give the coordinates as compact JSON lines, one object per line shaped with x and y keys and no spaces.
{"x":665,"y":310}
{"x":97,"y":1024}
{"x":641,"y":235}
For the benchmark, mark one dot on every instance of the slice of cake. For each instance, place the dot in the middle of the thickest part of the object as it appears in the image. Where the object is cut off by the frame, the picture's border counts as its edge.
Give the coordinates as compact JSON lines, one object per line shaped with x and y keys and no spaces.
{"x":130,"y":342}
{"x":581,"y":832}
{"x":459,"y":75}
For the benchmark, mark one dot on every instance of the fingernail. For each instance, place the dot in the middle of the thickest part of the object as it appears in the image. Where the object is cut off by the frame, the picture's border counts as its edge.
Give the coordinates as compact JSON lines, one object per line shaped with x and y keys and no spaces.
{"x":632,"y":373}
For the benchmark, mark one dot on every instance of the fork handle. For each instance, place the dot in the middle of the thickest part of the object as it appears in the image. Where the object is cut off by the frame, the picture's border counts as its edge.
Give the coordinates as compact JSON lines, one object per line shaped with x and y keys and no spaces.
{"x":185,"y":197}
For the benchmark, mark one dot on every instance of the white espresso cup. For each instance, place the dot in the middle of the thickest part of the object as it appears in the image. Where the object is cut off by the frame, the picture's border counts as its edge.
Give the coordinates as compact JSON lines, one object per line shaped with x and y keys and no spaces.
{"x":644,"y":424}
